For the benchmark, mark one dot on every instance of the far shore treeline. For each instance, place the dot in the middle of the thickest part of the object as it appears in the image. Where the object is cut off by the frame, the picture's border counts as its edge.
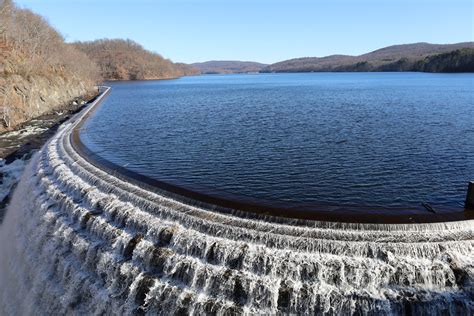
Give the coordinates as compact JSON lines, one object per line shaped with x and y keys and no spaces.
{"x":40,"y":73}
{"x":422,"y":57}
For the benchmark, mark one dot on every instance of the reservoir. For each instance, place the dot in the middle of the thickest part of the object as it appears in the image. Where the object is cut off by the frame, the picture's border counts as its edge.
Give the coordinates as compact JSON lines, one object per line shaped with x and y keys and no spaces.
{"x":312,"y":141}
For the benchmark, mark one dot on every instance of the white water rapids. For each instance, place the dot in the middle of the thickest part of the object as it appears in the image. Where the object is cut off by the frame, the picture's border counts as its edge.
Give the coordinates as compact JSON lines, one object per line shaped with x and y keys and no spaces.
{"x":77,"y":240}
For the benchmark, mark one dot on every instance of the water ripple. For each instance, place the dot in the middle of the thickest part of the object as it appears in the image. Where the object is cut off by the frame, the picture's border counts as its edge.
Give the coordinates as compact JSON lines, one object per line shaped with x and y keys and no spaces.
{"x":382,"y":141}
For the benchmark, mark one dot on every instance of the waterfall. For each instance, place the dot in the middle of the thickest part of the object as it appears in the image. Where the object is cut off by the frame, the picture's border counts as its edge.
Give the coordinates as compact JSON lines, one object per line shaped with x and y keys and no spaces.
{"x":79,"y":240}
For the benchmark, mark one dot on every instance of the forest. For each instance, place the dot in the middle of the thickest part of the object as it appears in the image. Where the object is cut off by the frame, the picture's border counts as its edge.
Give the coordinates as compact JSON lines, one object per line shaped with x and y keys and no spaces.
{"x":460,"y":60}
{"x":423,"y":57}
{"x":120,"y":59}
{"x":39,"y":72}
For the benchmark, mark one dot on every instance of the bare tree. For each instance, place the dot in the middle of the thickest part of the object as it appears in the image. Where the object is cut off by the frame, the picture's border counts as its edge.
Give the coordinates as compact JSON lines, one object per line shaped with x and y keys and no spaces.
{"x":126,"y":59}
{"x":32,"y":52}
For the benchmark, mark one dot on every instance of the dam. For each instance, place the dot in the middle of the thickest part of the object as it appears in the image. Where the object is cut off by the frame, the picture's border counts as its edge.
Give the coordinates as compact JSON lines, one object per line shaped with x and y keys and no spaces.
{"x":79,"y":238}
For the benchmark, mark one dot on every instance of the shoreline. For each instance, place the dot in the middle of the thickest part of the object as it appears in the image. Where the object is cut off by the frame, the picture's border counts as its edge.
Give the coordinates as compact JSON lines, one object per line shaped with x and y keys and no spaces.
{"x":32,"y":134}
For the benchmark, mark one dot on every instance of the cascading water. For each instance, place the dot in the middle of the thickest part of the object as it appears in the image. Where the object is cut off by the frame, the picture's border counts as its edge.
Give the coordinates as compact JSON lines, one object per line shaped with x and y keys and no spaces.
{"x":77,"y":239}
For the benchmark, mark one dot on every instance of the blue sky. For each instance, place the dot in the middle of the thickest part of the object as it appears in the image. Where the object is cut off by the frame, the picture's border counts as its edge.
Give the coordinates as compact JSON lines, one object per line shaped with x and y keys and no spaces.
{"x":260,"y":30}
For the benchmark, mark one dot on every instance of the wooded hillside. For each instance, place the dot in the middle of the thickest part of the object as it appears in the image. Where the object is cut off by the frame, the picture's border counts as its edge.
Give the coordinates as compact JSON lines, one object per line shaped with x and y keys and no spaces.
{"x":39,"y":72}
{"x":127,"y":60}
{"x":460,"y":60}
{"x":408,"y":57}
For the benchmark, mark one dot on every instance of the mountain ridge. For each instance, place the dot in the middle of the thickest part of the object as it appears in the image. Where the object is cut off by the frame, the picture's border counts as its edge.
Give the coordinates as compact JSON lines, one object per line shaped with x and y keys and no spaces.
{"x":401,"y":57}
{"x":228,"y":66}
{"x":456,"y":57}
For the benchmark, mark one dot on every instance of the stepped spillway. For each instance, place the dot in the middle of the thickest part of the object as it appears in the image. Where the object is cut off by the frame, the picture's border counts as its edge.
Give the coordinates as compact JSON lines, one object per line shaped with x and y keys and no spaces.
{"x":79,"y":239}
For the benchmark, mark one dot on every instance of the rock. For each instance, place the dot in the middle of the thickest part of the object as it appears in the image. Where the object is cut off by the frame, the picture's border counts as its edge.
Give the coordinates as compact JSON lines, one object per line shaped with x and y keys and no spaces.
{"x":128,"y":251}
{"x":143,"y":288}
{"x":236,"y":259}
{"x":158,"y":259}
{"x":166,"y":235}
{"x":211,"y":254}
{"x":240,"y":294}
{"x":85,"y":219}
{"x":284,"y":297}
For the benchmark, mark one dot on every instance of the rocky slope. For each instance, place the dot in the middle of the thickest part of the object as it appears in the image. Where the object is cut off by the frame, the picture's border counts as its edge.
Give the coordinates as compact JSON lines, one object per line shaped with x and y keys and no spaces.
{"x":39,"y":72}
{"x":28,"y":98}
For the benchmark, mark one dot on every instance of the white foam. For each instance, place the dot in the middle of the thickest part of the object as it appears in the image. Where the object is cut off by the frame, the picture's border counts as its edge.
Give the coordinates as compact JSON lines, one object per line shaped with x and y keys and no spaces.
{"x":11,"y":173}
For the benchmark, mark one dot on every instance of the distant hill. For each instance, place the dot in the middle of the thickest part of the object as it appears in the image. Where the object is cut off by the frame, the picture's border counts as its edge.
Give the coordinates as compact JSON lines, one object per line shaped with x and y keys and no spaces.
{"x":120,"y":59}
{"x":228,"y":66}
{"x":408,"y":57}
{"x":459,"y":60}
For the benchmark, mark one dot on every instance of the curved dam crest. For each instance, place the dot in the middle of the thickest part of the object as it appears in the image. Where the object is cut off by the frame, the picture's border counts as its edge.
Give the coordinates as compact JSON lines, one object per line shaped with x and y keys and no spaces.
{"x":77,"y":239}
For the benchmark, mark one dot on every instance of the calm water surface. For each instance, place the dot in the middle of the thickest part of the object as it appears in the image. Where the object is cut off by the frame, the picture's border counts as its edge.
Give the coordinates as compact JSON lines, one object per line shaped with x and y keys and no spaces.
{"x":378,"y":140}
